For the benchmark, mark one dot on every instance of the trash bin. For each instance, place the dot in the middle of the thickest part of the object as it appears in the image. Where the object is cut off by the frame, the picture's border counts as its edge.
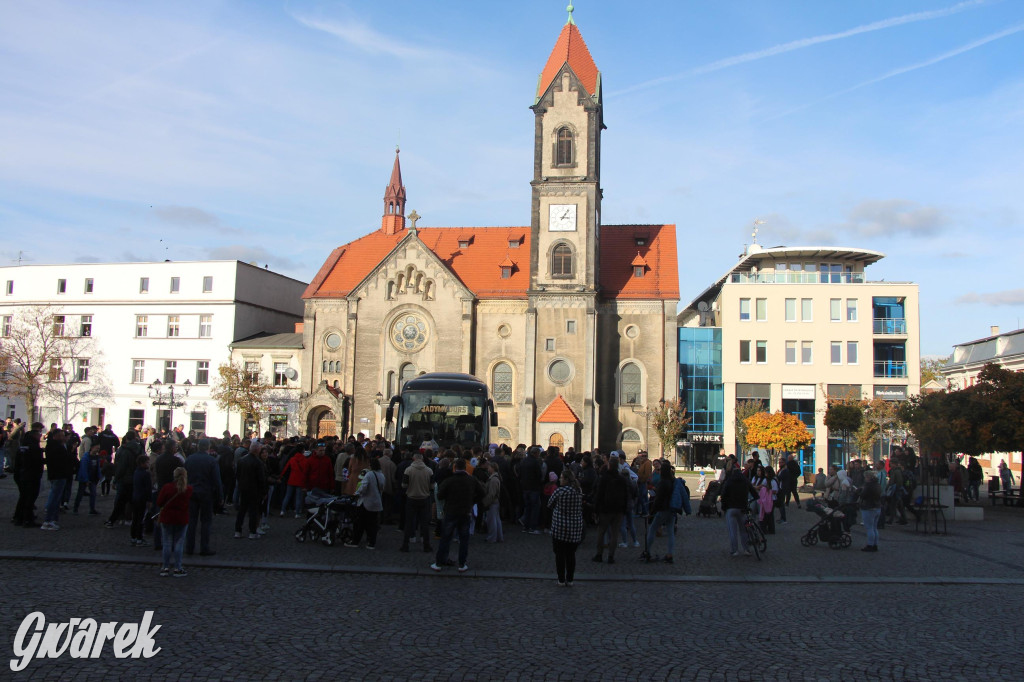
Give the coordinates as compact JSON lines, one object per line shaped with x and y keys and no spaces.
{"x":993,"y":484}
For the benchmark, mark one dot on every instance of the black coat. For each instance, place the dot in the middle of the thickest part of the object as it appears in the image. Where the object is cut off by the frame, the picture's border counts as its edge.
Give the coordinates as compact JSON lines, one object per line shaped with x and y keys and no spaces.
{"x":612,"y":496}
{"x":251,"y":477}
{"x":530,"y":478}
{"x":459,"y":492}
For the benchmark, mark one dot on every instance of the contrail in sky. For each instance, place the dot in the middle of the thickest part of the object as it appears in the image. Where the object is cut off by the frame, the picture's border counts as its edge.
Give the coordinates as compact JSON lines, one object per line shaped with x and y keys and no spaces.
{"x":804,"y":42}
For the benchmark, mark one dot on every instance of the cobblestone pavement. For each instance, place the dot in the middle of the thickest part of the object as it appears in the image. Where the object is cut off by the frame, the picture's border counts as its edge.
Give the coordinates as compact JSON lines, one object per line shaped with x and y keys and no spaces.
{"x":238,"y":624}
{"x":277,"y":609}
{"x":971,"y":552}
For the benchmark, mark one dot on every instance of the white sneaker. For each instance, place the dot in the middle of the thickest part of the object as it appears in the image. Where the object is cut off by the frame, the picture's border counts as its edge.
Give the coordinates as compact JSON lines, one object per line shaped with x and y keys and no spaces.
{"x":463,"y":568}
{"x":435,"y":567}
{"x":623,"y":544}
{"x":636,"y":543}
{"x":46,"y":526}
{"x":254,"y":536}
{"x":238,"y":536}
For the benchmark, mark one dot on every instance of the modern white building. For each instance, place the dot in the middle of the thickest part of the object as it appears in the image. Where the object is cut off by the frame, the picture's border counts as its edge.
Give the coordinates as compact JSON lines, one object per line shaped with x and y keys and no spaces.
{"x":792,"y":327}
{"x":142,"y":323}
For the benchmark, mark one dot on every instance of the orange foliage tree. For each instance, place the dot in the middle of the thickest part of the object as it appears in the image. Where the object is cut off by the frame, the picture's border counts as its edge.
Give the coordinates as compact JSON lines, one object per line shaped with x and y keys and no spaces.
{"x":776,"y":432}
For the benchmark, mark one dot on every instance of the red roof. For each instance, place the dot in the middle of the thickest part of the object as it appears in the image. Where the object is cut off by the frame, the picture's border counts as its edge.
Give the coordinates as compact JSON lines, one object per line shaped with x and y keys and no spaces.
{"x":478,"y":265}
{"x":639,"y":260}
{"x":558,"y":412}
{"x":618,"y":243}
{"x":570,"y":48}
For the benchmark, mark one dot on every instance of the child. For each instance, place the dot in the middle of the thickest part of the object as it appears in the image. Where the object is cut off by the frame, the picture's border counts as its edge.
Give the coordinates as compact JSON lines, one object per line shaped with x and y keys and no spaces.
{"x":142,"y":491}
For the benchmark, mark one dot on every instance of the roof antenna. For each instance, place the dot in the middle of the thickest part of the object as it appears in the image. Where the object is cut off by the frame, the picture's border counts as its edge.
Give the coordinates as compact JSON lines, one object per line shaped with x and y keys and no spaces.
{"x":757,"y":225}
{"x":569,"y":9}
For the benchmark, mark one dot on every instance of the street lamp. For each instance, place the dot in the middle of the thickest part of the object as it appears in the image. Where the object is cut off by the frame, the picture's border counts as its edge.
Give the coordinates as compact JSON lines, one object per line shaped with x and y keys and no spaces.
{"x":168,"y":400}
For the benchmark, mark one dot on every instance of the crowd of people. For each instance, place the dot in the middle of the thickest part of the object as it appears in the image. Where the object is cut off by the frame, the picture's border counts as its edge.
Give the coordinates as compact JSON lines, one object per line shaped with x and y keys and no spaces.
{"x":168,"y":486}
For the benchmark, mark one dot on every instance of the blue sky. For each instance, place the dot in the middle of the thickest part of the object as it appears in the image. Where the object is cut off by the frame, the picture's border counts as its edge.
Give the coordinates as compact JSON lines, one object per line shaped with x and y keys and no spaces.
{"x":265,"y":131}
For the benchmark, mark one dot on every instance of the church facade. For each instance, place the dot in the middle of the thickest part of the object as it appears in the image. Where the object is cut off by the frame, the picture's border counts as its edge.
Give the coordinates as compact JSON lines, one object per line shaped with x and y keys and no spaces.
{"x":571,"y":323}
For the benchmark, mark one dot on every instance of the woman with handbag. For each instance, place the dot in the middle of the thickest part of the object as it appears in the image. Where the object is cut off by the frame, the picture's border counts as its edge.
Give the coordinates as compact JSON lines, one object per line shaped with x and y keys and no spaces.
{"x":173,"y":501}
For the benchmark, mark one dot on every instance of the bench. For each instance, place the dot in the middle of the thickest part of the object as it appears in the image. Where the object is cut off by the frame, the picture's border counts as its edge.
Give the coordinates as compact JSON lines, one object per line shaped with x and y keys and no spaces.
{"x":929,"y":506}
{"x":1009,"y":497}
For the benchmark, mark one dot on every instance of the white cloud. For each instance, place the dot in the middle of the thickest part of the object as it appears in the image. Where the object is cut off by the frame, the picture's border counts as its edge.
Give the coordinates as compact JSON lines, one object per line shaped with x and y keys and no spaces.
{"x":876,"y":217}
{"x":995,"y":298}
{"x":251,"y":254}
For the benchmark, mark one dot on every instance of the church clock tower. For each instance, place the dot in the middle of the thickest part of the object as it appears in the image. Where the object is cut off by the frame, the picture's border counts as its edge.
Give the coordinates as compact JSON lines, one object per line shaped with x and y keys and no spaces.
{"x":560,"y":404}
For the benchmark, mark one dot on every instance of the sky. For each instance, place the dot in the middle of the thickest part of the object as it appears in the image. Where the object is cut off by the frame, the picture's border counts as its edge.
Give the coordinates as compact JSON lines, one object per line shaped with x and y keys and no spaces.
{"x":265,"y":131}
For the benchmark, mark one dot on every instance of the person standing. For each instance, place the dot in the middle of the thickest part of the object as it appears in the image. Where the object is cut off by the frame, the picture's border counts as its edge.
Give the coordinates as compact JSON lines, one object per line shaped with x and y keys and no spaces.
{"x":566,"y":506}
{"x":459,"y":493}
{"x":417,"y":484}
{"x":28,"y":472}
{"x":492,"y":503}
{"x":735,"y":495}
{"x":369,"y":504}
{"x":59,"y":468}
{"x":664,"y":515}
{"x":1005,"y":476}
{"x":871,"y":508}
{"x":251,"y":482}
{"x":204,"y":473}
{"x":124,"y":470}
{"x":142,"y":493}
{"x":174,"y":499}
{"x":974,"y":476}
{"x":610,"y":502}
{"x":531,"y":482}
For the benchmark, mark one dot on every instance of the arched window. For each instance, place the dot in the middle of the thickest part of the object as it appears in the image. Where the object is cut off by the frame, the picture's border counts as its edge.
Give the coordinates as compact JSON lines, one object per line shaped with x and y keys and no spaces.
{"x":325,"y":367}
{"x":630,"y":436}
{"x":391,"y":384}
{"x":501,"y":382}
{"x":561,"y":261}
{"x":564,"y":147}
{"x":406,"y":372}
{"x":629,"y":385}
{"x":504,"y":435}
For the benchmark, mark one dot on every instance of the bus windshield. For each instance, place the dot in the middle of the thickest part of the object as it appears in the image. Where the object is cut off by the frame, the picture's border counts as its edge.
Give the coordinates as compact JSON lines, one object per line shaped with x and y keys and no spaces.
{"x":444,"y":417}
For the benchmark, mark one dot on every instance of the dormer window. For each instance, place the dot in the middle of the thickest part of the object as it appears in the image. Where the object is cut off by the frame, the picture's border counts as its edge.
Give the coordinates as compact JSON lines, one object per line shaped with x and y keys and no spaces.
{"x":564,"y":147}
{"x":640,"y":239}
{"x":639,"y":265}
{"x":465,"y":240}
{"x":638,"y":271}
{"x":513,"y":243}
{"x":506,"y":268}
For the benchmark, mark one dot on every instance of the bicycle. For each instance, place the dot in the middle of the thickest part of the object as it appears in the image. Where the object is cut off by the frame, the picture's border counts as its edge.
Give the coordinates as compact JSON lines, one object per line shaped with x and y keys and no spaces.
{"x":755,"y":536}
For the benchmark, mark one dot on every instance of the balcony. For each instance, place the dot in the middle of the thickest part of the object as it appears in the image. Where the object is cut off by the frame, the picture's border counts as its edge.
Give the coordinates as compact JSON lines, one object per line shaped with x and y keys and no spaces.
{"x":892,"y":326}
{"x":893,"y":369}
{"x":796,"y":278}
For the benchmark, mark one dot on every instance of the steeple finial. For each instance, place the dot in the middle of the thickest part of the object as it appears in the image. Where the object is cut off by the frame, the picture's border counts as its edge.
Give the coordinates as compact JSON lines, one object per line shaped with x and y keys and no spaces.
{"x":394,"y":200}
{"x":569,"y":9}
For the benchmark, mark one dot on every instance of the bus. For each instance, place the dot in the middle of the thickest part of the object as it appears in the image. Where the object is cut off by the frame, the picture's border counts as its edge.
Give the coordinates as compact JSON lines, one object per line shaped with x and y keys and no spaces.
{"x":442,"y":407}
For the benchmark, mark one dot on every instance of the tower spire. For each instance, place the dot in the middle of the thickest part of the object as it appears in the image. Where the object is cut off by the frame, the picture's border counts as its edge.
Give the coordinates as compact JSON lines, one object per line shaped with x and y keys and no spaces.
{"x":569,"y":9}
{"x":394,"y":201}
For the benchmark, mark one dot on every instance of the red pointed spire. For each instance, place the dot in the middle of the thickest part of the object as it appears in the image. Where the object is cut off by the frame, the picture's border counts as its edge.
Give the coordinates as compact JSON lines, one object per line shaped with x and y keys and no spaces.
{"x":570,"y":48}
{"x":394,"y":201}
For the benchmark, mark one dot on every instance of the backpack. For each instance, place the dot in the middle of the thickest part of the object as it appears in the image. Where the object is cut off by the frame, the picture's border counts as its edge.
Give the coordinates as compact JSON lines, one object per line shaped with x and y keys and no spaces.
{"x":680,"y":500}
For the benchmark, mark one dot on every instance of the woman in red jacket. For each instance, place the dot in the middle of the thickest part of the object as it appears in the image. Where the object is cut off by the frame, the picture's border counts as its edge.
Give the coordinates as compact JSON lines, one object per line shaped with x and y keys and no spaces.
{"x":173,"y":501}
{"x":294,"y":475}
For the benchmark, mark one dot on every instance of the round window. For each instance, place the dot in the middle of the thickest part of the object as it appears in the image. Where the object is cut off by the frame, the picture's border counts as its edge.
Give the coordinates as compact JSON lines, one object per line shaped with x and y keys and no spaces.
{"x":409,"y":333}
{"x":632,"y":331}
{"x":333,"y":340}
{"x":560,"y":371}
{"x":504,"y":331}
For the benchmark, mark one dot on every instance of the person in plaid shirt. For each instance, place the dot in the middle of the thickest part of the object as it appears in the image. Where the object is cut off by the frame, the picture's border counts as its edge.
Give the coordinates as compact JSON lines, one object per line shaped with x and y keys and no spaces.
{"x":566,"y":505}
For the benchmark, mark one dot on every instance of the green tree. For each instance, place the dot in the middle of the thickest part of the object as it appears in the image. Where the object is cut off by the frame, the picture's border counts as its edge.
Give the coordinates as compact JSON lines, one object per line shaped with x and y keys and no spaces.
{"x":670,"y":422}
{"x":844,"y":416}
{"x":744,"y":409}
{"x":931,"y":368}
{"x":243,"y":390}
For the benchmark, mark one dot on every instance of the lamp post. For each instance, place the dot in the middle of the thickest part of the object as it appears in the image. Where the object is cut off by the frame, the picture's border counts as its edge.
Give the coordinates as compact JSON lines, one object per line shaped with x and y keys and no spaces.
{"x":167,"y":399}
{"x":377,"y":400}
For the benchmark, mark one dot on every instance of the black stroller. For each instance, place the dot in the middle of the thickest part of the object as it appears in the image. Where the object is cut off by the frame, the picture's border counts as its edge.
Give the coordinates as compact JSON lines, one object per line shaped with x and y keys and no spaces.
{"x":709,"y":503}
{"x":829,"y":527}
{"x":329,"y":519}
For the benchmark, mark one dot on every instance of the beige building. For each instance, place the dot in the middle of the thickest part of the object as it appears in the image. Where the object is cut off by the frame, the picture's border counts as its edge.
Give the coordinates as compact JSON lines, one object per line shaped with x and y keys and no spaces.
{"x":570,"y":322}
{"x":799,"y":325}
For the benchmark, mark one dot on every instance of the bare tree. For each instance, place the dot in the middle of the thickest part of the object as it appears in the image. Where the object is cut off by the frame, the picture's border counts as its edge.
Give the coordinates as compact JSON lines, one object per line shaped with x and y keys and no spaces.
{"x":77,"y":379}
{"x":34,"y":344}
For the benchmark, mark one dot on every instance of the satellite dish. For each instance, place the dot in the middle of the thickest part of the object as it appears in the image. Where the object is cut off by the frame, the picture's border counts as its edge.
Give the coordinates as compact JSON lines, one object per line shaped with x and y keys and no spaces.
{"x":291,"y":373}
{"x":702,"y":306}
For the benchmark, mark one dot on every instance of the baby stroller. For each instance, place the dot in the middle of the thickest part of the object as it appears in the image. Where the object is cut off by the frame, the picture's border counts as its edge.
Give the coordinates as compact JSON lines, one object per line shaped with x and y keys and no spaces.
{"x":709,"y":503}
{"x":329,"y":519}
{"x":829,"y":527}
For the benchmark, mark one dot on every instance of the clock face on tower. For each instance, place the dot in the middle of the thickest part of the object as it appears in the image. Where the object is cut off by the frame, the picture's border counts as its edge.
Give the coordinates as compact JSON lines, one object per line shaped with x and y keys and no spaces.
{"x":562,"y":218}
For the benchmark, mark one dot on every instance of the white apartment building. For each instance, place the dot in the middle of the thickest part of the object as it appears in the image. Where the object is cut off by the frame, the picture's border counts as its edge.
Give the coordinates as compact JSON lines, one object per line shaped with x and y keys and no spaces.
{"x":793,"y":326}
{"x":167,"y":322}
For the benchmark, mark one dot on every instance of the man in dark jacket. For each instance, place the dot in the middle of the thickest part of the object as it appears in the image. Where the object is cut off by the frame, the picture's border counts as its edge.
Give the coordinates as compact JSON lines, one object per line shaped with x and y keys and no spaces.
{"x":531,"y":482}
{"x":108,"y":440}
{"x":610,"y":502}
{"x":736,"y":493}
{"x":60,"y":467}
{"x":204,"y":477}
{"x":28,"y":470}
{"x":251,"y":479}
{"x":459,"y":492}
{"x":125,"y":462}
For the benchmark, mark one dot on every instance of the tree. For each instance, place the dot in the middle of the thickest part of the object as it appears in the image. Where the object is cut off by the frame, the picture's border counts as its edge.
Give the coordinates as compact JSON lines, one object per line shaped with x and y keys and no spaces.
{"x":844,"y":416}
{"x":778,"y":431}
{"x":77,"y":379}
{"x":885,"y":419}
{"x":241,"y":389}
{"x":1000,"y":393}
{"x":670,"y":422}
{"x":744,"y":409}
{"x":35,"y":343}
{"x":931,"y":368}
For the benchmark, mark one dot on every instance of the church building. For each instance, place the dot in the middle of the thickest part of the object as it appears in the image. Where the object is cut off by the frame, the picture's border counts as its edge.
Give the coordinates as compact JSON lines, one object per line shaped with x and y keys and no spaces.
{"x":570,"y":322}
